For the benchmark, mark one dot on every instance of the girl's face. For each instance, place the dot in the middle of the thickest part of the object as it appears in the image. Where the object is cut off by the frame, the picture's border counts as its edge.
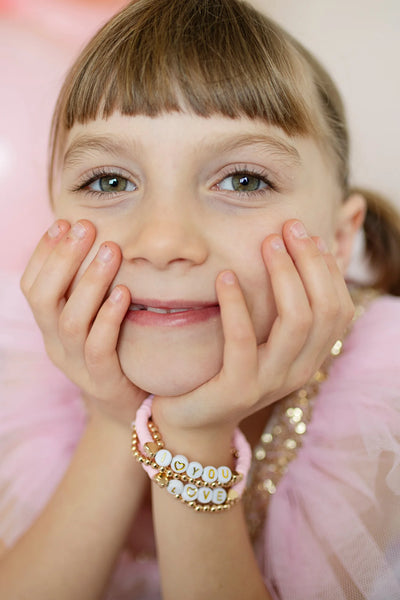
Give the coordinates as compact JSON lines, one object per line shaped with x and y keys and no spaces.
{"x":186,"y":197}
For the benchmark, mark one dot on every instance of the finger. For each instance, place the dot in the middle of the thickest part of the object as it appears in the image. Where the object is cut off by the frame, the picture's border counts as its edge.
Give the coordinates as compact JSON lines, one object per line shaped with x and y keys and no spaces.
{"x":47,"y":294}
{"x":312,"y":268}
{"x":85,"y":300}
{"x":240,"y":359}
{"x":42,"y":251}
{"x":101,"y":345}
{"x":292,"y":325}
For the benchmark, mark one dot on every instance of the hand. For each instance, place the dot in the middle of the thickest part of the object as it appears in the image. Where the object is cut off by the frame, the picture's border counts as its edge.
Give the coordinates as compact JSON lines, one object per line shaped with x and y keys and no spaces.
{"x":313,"y":309}
{"x":80,"y":327}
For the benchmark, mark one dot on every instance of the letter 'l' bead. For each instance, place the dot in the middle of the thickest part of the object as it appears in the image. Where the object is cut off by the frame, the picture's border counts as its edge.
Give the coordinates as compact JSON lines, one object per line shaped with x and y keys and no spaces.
{"x":219,"y":495}
{"x":224,"y":474}
{"x":210,"y":474}
{"x":163,"y":458}
{"x":179,"y":463}
{"x":190,"y":492}
{"x":175,"y":487}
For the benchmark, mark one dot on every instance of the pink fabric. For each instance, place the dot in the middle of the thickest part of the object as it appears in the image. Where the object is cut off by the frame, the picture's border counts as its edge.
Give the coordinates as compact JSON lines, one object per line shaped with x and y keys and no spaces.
{"x":333,"y":529}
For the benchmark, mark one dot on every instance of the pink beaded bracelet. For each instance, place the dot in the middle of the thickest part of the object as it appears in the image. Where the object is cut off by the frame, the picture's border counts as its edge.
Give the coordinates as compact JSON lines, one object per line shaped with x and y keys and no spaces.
{"x":203,"y":488}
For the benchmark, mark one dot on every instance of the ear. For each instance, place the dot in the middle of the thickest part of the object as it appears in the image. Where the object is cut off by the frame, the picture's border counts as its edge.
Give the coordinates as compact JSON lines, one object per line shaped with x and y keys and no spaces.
{"x":350,"y":219}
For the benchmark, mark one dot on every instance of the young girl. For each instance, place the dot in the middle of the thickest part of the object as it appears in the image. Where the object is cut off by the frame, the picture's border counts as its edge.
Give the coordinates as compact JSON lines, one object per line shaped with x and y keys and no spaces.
{"x":204,"y":223}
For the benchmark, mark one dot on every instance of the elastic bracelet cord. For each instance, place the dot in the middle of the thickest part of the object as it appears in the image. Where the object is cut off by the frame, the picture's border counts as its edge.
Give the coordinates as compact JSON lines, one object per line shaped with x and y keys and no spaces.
{"x":203,"y":488}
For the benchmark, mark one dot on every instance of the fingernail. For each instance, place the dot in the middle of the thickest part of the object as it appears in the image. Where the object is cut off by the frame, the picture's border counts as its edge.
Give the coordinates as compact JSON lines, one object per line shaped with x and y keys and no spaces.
{"x":322,"y":247}
{"x":116,"y":295}
{"x":78,"y":231}
{"x":277,"y":243}
{"x":54,"y":231}
{"x":228,"y":277}
{"x":298,"y":230}
{"x":105,"y":254}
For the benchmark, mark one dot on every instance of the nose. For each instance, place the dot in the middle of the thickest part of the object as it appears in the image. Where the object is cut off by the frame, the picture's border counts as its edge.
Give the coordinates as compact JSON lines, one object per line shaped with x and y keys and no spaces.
{"x":164,"y":237}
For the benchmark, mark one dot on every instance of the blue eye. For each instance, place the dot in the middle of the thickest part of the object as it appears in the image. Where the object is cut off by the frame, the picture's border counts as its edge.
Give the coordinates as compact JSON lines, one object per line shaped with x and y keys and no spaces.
{"x":243,"y":182}
{"x":110,"y":183}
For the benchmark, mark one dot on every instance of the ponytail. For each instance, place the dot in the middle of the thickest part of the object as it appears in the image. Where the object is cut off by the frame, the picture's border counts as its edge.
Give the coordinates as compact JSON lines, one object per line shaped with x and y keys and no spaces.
{"x":382,"y":241}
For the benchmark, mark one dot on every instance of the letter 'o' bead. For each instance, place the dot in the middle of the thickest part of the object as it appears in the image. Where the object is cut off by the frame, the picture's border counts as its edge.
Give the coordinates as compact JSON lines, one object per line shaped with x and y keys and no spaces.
{"x":190,"y":492}
{"x":210,"y":474}
{"x":194,"y":470}
{"x":175,"y":487}
{"x":179,"y":463}
{"x":163,"y":458}
{"x":219,"y":495}
{"x":205,"y":495}
{"x":224,"y":474}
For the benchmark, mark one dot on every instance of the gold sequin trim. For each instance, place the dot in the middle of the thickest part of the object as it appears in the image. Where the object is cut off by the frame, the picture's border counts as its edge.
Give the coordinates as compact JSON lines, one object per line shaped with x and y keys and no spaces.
{"x":284,"y":433}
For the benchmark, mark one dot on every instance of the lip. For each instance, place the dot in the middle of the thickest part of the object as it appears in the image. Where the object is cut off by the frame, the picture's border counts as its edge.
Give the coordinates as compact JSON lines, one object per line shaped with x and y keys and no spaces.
{"x":183,"y":313}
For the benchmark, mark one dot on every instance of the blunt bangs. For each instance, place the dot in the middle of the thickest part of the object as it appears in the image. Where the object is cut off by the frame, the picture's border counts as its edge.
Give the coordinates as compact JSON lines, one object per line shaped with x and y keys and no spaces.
{"x":202,"y":56}
{"x":206,"y":56}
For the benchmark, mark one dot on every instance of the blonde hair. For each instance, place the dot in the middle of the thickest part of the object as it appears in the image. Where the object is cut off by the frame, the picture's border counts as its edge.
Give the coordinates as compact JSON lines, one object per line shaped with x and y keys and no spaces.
{"x":205,"y":56}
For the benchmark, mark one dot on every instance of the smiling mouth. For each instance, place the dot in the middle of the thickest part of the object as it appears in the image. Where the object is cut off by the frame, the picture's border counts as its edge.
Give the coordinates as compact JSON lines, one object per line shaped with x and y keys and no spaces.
{"x":162,"y":311}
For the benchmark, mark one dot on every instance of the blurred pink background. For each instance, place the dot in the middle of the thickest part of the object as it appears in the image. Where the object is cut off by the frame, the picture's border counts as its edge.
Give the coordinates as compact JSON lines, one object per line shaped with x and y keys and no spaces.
{"x":38,"y":41}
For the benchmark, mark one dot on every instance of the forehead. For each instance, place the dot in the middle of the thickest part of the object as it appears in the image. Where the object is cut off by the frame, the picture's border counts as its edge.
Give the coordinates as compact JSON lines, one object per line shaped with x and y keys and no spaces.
{"x":121,"y":134}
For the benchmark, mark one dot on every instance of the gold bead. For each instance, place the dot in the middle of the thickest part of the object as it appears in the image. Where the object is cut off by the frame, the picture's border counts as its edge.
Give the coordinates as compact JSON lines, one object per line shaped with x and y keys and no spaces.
{"x":161,"y":479}
{"x":232,"y":495}
{"x":150,"y":449}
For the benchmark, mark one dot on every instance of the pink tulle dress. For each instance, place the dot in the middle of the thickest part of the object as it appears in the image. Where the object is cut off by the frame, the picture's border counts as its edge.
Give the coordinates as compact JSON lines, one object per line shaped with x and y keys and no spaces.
{"x":330,"y":530}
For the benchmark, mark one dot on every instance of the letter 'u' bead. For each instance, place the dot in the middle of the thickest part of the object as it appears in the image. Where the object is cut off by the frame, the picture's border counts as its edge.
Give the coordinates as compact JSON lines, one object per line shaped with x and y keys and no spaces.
{"x":224,"y":474}
{"x":190,"y":492}
{"x":163,"y":458}
{"x":210,"y":474}
{"x":175,"y":487}
{"x":179,"y":463}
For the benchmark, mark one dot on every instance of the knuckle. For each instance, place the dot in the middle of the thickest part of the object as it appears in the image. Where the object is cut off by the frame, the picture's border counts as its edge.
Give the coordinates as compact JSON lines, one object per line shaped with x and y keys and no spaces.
{"x":94,"y":355}
{"x":69,"y":327}
{"x":329,"y":310}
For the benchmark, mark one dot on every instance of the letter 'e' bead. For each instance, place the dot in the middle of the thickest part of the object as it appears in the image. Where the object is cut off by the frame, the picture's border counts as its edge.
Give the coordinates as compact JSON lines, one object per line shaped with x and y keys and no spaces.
{"x":219,"y":495}
{"x":210,"y":474}
{"x":179,"y":463}
{"x":163,"y":458}
{"x":175,"y":487}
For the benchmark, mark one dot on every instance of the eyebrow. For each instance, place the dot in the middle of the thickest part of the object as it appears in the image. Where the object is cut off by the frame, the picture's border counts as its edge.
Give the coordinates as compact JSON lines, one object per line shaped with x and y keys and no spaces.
{"x":85,"y":144}
{"x":266,"y":143}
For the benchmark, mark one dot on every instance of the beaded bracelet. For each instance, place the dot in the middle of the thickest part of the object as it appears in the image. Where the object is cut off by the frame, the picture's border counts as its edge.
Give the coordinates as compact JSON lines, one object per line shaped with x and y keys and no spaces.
{"x":202,"y":488}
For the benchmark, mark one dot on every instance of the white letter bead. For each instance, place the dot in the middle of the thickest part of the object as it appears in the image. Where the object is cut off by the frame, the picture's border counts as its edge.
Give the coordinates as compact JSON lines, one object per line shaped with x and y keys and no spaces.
{"x":190,"y":492}
{"x":205,"y":495}
{"x":210,"y":474}
{"x":194,"y":470}
{"x":163,"y":458}
{"x":175,"y":487}
{"x":219,"y":495}
{"x":179,"y":463}
{"x":224,"y":474}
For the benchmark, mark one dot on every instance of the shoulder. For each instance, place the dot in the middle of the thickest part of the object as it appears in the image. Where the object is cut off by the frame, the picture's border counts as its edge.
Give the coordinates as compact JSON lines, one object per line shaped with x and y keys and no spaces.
{"x":372,"y":346}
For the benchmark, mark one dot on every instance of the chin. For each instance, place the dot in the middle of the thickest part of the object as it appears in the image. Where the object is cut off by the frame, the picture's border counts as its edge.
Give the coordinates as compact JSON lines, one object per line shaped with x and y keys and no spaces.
{"x":166,"y":375}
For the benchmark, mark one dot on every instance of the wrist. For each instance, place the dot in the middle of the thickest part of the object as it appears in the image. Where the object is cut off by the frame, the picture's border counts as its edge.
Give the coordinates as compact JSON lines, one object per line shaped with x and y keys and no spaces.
{"x":206,"y":444}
